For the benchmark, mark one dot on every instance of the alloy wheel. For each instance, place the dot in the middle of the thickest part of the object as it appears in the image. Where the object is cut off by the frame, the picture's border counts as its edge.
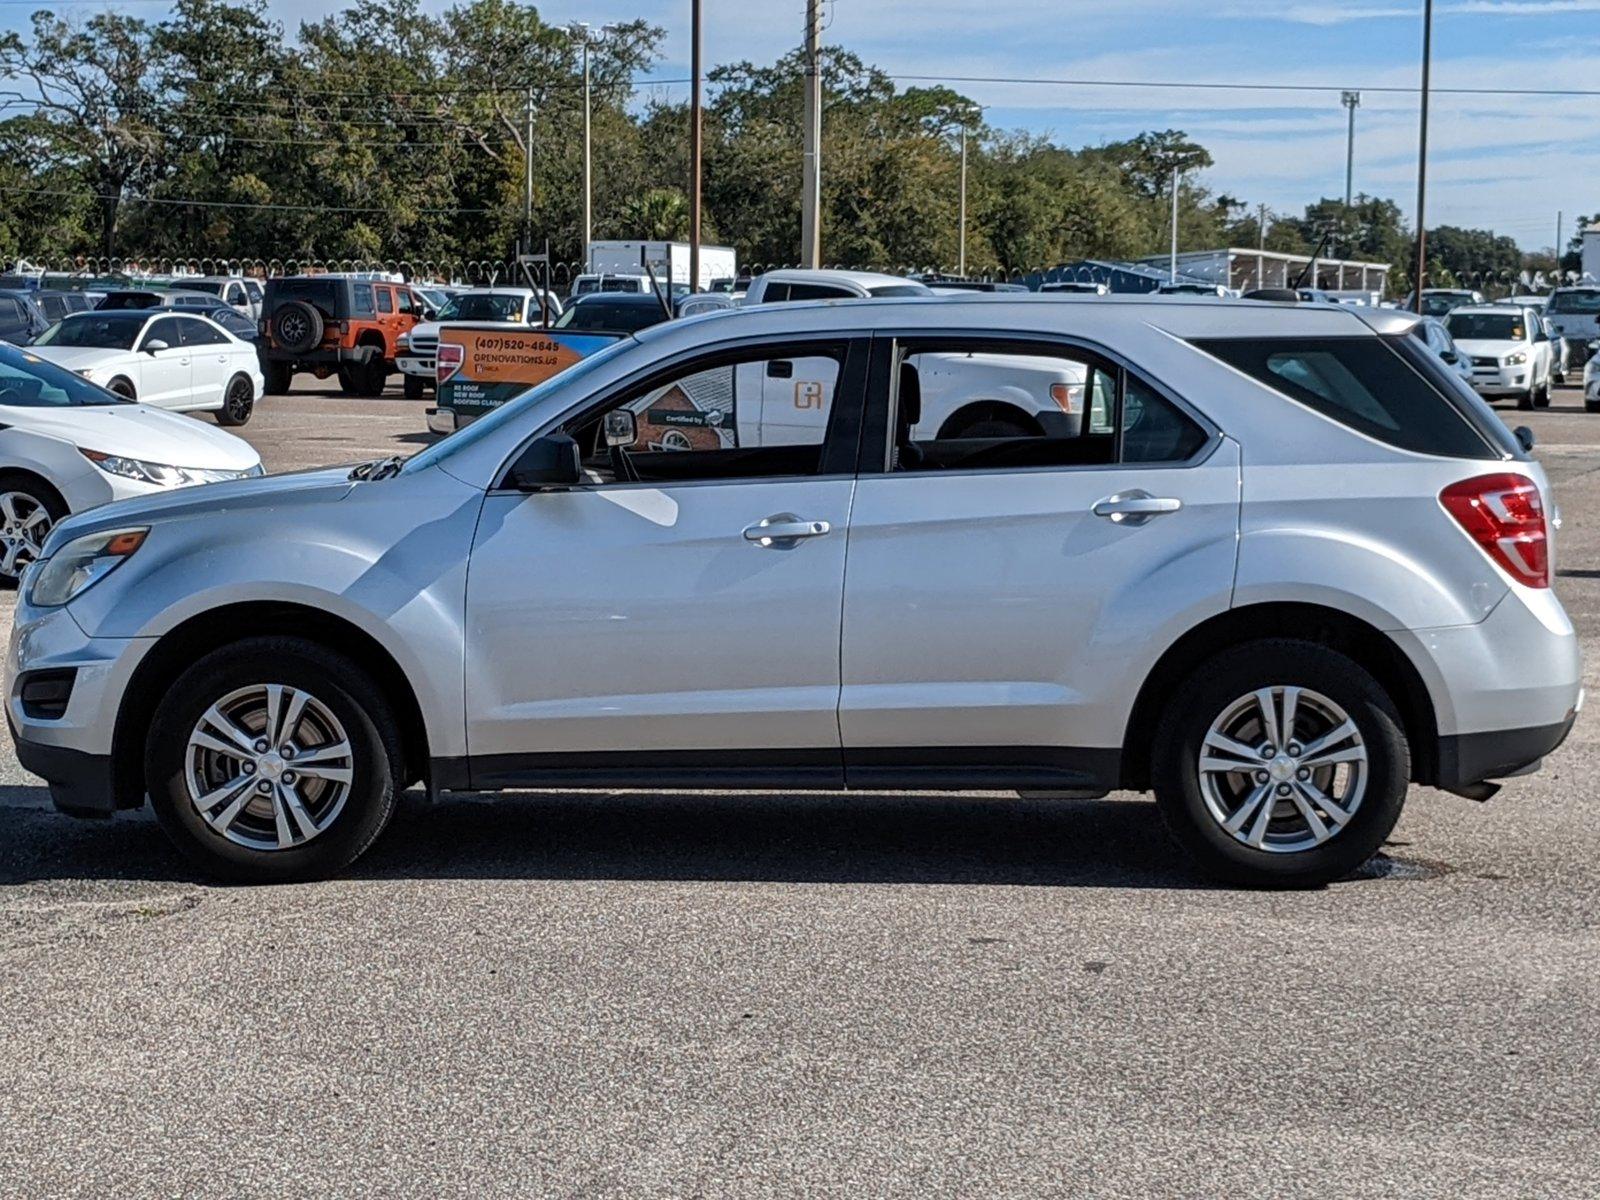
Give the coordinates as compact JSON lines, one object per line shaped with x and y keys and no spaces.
{"x":24,"y":524}
{"x":241,"y":398}
{"x":269,"y":766}
{"x":1283,"y":769}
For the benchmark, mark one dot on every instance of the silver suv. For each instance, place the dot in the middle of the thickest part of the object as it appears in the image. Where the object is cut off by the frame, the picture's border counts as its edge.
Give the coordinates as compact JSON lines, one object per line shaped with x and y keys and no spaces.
{"x":1274,"y":564}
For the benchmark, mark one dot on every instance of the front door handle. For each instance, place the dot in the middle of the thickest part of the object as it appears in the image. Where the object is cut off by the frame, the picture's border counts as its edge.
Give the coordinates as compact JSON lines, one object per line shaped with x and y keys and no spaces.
{"x":1135,"y":507}
{"x":783,"y":531}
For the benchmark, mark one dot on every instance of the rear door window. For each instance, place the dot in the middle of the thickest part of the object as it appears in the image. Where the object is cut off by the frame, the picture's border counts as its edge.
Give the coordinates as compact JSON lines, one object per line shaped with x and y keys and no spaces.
{"x":361,"y":296}
{"x":1361,"y":382}
{"x":385,"y":300}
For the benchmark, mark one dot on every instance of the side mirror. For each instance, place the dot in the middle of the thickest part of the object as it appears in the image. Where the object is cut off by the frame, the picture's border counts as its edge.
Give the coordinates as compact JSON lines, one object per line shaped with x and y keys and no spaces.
{"x":153,"y":345}
{"x":622,"y":427}
{"x":1450,"y":356}
{"x":1524,"y":437}
{"x":548,"y":462}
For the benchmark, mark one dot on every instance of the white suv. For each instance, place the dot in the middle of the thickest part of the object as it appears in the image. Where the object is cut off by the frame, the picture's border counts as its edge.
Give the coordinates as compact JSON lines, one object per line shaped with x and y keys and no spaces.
{"x":1288,"y":566}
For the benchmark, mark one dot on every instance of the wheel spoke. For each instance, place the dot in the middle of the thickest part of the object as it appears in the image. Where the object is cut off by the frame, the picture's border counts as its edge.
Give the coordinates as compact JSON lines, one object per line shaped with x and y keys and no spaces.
{"x":37,"y":516}
{"x":1245,"y":754}
{"x":223,"y":821}
{"x":8,"y":564}
{"x":308,"y":827}
{"x":1269,"y":716}
{"x":206,"y":741}
{"x":1251,"y":803}
{"x":241,"y":740}
{"x":8,"y":505}
{"x":204,"y":804}
{"x":269,"y":731}
{"x":1322,"y":800}
{"x":332,"y":752}
{"x":1348,"y":754}
{"x":291,"y":717}
{"x":1258,"y":831}
{"x":332,"y":774}
{"x":1291,"y":706}
{"x":1342,"y":732}
{"x":1319,"y":831}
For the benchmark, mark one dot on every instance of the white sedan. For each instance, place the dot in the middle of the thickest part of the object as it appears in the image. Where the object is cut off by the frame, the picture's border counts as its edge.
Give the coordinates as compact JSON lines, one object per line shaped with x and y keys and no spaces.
{"x":184,"y":361}
{"x":67,"y":445}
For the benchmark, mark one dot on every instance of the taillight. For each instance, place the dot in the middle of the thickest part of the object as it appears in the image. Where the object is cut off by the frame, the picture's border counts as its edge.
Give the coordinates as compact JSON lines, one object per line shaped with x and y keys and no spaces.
{"x":447,"y":361}
{"x":1067,"y":396}
{"x":1505,"y":515}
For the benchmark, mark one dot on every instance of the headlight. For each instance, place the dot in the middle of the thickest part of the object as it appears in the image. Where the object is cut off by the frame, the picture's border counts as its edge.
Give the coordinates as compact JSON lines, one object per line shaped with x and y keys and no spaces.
{"x":1516,"y":360}
{"x":161,"y":474}
{"x":86,"y":372}
{"x":80,"y":564}
{"x":403,"y":341}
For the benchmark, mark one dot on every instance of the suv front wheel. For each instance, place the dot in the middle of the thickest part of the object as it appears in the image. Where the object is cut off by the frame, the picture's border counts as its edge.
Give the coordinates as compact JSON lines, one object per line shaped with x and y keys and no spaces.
{"x":273,"y":759}
{"x":1281,"y":763}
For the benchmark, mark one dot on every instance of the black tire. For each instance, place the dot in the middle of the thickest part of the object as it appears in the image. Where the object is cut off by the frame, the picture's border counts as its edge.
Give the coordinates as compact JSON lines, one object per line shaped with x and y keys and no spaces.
{"x":279,"y":377}
{"x":123,"y":387}
{"x":416,"y":387}
{"x":28,"y":489}
{"x":336,"y":682}
{"x":297,"y":326}
{"x":1591,"y":406}
{"x":1217,"y":685}
{"x":372,"y":377}
{"x":347,"y":381}
{"x":1541,"y":398}
{"x":238,"y":401}
{"x":1525,"y":401}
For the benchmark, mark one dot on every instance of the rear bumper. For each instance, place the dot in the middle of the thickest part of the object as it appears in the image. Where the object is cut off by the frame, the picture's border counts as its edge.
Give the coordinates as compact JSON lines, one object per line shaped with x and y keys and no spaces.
{"x":1475,"y":757}
{"x":334,"y":357}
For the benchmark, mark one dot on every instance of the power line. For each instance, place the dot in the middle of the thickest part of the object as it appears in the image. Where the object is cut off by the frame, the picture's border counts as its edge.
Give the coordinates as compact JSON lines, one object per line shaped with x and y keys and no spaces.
{"x":1198,"y":85}
{"x":323,"y":208}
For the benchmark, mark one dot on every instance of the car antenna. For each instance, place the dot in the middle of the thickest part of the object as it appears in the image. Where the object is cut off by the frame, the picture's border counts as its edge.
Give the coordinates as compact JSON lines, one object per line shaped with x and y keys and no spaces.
{"x":655,"y":286}
{"x":1315,"y":254}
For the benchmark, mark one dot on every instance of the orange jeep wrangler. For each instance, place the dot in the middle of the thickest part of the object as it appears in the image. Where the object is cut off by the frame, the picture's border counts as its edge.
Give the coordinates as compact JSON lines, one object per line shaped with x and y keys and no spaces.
{"x":335,"y":325}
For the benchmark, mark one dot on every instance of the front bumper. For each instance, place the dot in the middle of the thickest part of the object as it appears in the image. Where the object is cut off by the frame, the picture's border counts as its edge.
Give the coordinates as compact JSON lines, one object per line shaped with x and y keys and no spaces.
{"x":73,"y":752}
{"x":1502,"y":381}
{"x":411,"y":364}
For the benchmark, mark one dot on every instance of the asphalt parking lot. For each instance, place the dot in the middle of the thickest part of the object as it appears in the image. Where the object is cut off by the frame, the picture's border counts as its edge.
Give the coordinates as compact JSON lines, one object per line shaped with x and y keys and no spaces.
{"x":773,"y":995}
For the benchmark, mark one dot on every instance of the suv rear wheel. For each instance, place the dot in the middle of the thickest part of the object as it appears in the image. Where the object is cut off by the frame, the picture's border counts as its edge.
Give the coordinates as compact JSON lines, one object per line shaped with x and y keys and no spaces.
{"x":1280,"y":763}
{"x":273,"y":759}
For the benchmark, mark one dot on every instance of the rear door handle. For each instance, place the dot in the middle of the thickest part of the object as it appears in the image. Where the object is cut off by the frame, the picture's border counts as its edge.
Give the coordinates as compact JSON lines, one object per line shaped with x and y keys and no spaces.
{"x":783,"y":531}
{"x":1135,"y":507}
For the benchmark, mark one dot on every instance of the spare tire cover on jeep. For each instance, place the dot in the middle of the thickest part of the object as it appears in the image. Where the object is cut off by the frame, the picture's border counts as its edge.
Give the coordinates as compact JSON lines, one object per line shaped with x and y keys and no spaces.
{"x":297,"y":326}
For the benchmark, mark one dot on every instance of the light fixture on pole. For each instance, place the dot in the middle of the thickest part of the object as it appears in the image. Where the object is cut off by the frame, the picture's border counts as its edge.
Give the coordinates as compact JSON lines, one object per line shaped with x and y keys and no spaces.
{"x":1351,"y":101}
{"x":1422,"y":159}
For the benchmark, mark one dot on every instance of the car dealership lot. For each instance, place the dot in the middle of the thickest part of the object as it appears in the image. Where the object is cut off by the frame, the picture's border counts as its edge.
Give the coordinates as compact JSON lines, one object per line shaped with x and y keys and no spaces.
{"x":765,"y":995}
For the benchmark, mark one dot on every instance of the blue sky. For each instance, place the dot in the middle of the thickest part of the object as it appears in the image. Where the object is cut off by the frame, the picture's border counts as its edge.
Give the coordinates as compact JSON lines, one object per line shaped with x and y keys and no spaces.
{"x":1503,"y":162}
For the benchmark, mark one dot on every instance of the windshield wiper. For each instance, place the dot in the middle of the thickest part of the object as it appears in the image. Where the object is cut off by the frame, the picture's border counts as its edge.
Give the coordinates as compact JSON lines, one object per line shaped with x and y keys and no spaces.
{"x":378,"y":468}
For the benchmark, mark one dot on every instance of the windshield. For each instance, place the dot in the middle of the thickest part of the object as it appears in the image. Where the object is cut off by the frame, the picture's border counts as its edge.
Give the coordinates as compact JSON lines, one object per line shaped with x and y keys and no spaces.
{"x":27,"y":381}
{"x":482,"y":306}
{"x":512,"y":410}
{"x":203,"y":285}
{"x":1587,"y":301}
{"x":93,"y":329}
{"x":606,"y":315}
{"x":1501,"y":327}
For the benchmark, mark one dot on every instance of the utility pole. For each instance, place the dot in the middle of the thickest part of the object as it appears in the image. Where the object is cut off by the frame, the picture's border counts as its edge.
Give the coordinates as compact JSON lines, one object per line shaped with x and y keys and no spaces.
{"x":695,"y":148}
{"x":1559,"y":215}
{"x":811,"y":183}
{"x":1261,"y":245}
{"x":1177,"y":178}
{"x":1351,"y":101}
{"x":588,"y":158}
{"x":961,"y":253}
{"x":525,"y":245}
{"x":1422,"y":158}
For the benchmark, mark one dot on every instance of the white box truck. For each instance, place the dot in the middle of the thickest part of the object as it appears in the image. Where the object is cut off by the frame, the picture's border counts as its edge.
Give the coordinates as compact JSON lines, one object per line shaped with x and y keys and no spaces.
{"x":669,"y":260}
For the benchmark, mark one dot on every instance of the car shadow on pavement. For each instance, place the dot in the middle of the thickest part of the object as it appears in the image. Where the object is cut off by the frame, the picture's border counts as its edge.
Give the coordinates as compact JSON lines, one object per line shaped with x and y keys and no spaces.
{"x":766,"y":837}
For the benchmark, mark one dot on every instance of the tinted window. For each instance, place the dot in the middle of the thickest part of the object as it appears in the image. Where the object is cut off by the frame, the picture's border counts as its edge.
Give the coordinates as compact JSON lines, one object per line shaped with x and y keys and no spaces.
{"x":775,"y":293}
{"x":482,"y":306}
{"x":1501,"y":327}
{"x":252,"y":289}
{"x":403,"y":297}
{"x":606,"y":315}
{"x":198,"y":333}
{"x":125,"y":300}
{"x":55,"y":307}
{"x":322,"y":293}
{"x":361,"y":296}
{"x":902,"y":289}
{"x":817,"y":291}
{"x":235,"y":323}
{"x":385,"y":299}
{"x":108,"y":332}
{"x":26,"y":382}
{"x":1574,"y":302}
{"x":1361,"y":382}
{"x":204,"y":285}
{"x":12,"y":318}
{"x":168,"y":330}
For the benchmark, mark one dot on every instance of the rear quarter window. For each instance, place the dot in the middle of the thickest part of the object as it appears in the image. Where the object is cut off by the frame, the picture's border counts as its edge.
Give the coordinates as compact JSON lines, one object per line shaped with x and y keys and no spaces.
{"x":1368,"y":385}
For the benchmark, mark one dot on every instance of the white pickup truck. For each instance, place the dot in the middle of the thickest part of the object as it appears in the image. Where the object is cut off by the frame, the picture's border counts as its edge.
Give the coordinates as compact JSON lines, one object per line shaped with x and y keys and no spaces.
{"x":963,"y":395}
{"x":513,"y":306}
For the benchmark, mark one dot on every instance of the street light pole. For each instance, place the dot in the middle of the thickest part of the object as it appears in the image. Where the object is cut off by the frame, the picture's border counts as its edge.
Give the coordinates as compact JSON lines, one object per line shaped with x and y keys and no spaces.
{"x":811,"y":171}
{"x":961,"y":252}
{"x":588,"y":161}
{"x":1422,"y":158}
{"x":695,"y":147}
{"x":1351,"y":101}
{"x":1177,"y":178}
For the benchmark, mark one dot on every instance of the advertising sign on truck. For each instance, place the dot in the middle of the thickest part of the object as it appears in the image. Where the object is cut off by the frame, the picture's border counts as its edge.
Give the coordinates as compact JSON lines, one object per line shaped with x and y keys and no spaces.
{"x":480,"y":367}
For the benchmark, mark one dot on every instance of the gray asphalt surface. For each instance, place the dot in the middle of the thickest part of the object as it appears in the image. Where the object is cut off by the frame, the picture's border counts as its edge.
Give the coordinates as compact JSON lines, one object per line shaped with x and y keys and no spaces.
{"x":712,"y":995}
